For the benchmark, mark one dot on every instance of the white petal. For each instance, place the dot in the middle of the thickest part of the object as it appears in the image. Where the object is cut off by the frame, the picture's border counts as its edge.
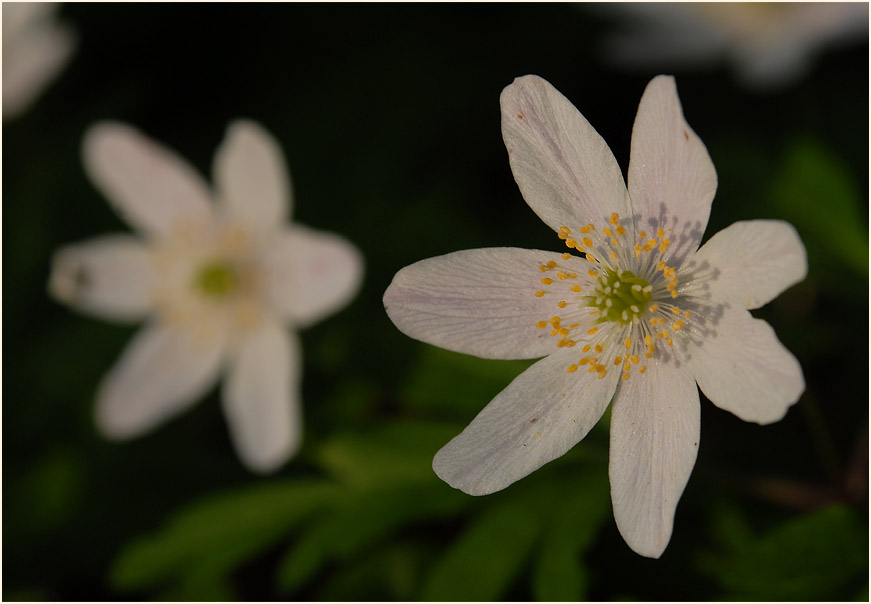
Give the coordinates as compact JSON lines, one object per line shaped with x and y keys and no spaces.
{"x":251,"y":177}
{"x":565,"y":170}
{"x":161,"y":373}
{"x":654,"y":441}
{"x":152,"y":188}
{"x":539,"y":416}
{"x":110,"y":276}
{"x":479,"y":302}
{"x":672,"y":180}
{"x":751,"y":262}
{"x":35,"y":48}
{"x":744,"y":369}
{"x":261,"y":397}
{"x":309,"y":274}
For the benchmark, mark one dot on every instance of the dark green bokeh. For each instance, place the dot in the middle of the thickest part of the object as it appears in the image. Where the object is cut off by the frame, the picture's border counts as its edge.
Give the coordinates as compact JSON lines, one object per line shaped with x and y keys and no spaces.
{"x":389,"y":118}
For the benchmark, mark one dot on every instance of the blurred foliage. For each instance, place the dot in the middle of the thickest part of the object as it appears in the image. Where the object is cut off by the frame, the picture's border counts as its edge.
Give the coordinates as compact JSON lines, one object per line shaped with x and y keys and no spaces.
{"x":814,"y":191}
{"x":389,"y":117}
{"x":812,"y":557}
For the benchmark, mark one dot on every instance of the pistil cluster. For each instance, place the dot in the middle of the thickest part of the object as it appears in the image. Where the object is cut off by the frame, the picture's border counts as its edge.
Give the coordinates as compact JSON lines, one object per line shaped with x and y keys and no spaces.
{"x":617,"y":316}
{"x":206,"y":279}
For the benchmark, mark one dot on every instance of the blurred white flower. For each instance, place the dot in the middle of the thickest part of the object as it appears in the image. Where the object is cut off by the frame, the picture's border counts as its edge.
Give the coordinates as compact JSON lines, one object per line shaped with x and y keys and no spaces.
{"x":219,"y":274}
{"x":35,"y":49}
{"x":770,"y":44}
{"x":638,"y":320}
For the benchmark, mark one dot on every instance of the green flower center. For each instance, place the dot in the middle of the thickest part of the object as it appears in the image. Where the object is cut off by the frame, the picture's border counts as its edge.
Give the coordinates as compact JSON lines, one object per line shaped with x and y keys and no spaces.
{"x":620,"y":297}
{"x":218,"y":278}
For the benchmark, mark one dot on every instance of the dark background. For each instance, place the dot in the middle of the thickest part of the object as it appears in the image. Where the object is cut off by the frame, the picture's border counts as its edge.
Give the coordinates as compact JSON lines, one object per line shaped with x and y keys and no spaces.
{"x":389,"y":119}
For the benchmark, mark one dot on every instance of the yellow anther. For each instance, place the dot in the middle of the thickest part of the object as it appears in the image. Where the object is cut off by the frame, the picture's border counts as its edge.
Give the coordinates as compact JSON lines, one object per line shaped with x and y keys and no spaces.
{"x":565,"y":229}
{"x":593,"y":273}
{"x":554,"y":332}
{"x":628,"y":343}
{"x":634,"y":359}
{"x":625,"y":377}
{"x":621,"y":230}
{"x":626,"y":366}
{"x":543,"y":268}
{"x":541,"y":324}
{"x":613,"y":253}
{"x":563,"y":331}
{"x":592,"y":258}
{"x":539,"y":293}
{"x":618,"y":360}
{"x":566,"y":256}
{"x":608,"y":232}
{"x":687,"y":314}
{"x":555,"y":321}
{"x":674,"y":294}
{"x":592,"y":331}
{"x":660,"y":233}
{"x":597,"y":348}
{"x":602,"y":374}
{"x":571,"y":243}
{"x":551,"y":264}
{"x":572,"y":368}
{"x":575,"y":288}
{"x":653,"y":307}
{"x":570,"y":343}
{"x":587,"y":241}
{"x":584,"y":361}
{"x":562,"y":276}
{"x":675,"y":310}
{"x":561,"y":303}
{"x":615,"y":219}
{"x":547,"y":280}
{"x":669,"y":342}
{"x":586,"y":348}
{"x":642,"y":369}
{"x":642,"y":235}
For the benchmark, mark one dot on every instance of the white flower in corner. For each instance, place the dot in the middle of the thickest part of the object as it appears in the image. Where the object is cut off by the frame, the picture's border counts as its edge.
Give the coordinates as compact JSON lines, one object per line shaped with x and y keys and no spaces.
{"x":219,"y":274}
{"x":634,"y":314}
{"x":35,"y":49}
{"x":769,"y":44}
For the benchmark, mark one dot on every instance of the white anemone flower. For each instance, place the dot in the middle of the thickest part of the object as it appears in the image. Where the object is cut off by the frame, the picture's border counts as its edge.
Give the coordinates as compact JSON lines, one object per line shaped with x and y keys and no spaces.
{"x":222,"y":277}
{"x":769,"y":44}
{"x":35,"y":48}
{"x":636,"y":317}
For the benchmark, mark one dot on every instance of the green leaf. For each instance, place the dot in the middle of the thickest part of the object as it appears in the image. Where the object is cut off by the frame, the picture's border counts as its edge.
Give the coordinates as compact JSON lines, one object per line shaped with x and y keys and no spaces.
{"x":485,"y":561}
{"x":401,"y":450}
{"x":212,"y":536}
{"x":444,"y":380}
{"x":584,"y":503}
{"x":388,"y":573}
{"x":389,"y":484}
{"x":815,"y":192}
{"x":363,"y":519}
{"x":823,"y":555}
